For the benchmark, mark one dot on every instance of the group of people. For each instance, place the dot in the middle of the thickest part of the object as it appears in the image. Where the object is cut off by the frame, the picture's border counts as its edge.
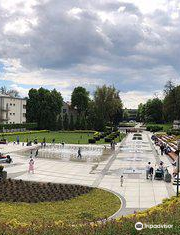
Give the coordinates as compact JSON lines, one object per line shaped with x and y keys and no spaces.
{"x":164,"y":148}
{"x":150,"y":169}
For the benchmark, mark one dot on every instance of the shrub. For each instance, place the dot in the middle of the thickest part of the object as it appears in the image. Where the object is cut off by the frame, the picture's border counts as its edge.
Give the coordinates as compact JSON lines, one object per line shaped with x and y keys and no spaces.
{"x":108,"y":140}
{"x":28,"y":126}
{"x":154,"y":128}
{"x":23,"y":132}
{"x":173,"y":132}
{"x":92,"y":141}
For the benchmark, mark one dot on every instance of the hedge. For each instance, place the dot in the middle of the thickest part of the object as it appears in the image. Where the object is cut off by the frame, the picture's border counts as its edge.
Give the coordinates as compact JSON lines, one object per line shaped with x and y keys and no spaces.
{"x":28,"y":126}
{"x":23,"y":133}
{"x":78,"y":131}
{"x":154,"y":128}
{"x":173,"y":132}
{"x":92,"y":141}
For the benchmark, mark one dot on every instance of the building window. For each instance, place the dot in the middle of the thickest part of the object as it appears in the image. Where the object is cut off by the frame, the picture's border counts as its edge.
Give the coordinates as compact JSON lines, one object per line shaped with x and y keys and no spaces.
{"x":13,"y":104}
{"x":13,"y":122}
{"x":10,"y":113}
{"x":24,"y":106}
{"x":14,"y":114}
{"x":24,"y":114}
{"x":10,"y":104}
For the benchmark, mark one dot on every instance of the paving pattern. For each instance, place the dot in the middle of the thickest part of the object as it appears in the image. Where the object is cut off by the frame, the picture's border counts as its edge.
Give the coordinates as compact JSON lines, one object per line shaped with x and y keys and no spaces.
{"x":129,"y":160}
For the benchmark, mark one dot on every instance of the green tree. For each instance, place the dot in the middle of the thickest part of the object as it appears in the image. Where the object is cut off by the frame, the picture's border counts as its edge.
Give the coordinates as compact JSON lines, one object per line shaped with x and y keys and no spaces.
{"x":78,"y":123}
{"x":141,"y":113}
{"x":107,"y":104}
{"x":71,"y":123}
{"x":43,"y":107}
{"x":59,"y":123}
{"x":66,"y":122}
{"x":83,"y":123}
{"x":125,"y":114}
{"x":171,"y":104}
{"x":80,"y":99}
{"x":154,"y":111}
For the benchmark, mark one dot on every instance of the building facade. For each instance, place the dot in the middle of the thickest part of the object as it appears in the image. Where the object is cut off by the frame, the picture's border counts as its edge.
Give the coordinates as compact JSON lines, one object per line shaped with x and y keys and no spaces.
{"x":67,"y":109}
{"x":12,"y":109}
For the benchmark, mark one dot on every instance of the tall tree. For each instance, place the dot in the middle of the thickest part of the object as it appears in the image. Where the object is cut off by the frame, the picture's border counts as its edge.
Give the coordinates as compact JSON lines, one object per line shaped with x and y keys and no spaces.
{"x":59,"y":123}
{"x":78,"y":123}
{"x":66,"y":122}
{"x":125,"y":114}
{"x":80,"y":99}
{"x":172,"y":104}
{"x":71,"y":123}
{"x":43,"y":107}
{"x":107,"y":103}
{"x":154,"y":111}
{"x":141,"y":112}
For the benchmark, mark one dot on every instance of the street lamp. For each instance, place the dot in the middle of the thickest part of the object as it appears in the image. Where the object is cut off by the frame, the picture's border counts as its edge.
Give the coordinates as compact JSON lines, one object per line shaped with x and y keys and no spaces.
{"x":178,"y":148}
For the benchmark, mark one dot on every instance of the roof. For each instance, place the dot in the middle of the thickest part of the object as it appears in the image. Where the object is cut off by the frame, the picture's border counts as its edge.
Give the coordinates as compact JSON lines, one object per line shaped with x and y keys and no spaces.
{"x":10,"y":97}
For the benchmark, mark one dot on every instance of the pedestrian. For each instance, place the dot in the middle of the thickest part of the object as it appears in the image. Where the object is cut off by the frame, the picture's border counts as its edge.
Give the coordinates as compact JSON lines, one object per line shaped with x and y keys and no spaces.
{"x":37,"y":152}
{"x":79,"y":153}
{"x":17,"y":139}
{"x":162,"y":148}
{"x":148,"y":166}
{"x":53,"y":141}
{"x":151,"y":172}
{"x":122,"y":180}
{"x":31,"y":166}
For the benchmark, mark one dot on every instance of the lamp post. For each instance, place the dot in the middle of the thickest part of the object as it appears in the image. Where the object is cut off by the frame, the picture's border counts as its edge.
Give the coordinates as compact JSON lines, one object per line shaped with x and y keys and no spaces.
{"x":178,"y":147}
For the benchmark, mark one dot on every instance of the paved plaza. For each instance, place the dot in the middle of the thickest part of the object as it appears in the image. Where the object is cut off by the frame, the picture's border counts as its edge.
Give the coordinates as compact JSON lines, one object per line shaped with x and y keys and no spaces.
{"x":129,"y":159}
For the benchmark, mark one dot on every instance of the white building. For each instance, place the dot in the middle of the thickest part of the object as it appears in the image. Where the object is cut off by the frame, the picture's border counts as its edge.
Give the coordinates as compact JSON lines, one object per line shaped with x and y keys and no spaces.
{"x":12,"y":110}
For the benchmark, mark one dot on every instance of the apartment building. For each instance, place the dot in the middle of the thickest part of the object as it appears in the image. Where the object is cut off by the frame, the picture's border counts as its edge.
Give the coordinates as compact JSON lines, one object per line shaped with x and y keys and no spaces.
{"x":12,"y":110}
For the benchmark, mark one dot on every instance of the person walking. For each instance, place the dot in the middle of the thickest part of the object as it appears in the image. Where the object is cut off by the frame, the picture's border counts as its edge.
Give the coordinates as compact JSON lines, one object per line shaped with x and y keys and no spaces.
{"x":121,"y":180}
{"x":148,"y":166}
{"x":151,"y":172}
{"x":31,"y":166}
{"x":162,"y":149}
{"x":37,"y":152}
{"x":17,"y":139}
{"x":79,"y":153}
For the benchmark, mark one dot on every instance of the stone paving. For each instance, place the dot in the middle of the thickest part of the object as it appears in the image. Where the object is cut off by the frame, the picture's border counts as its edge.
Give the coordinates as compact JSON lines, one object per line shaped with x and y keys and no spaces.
{"x":129,"y":160}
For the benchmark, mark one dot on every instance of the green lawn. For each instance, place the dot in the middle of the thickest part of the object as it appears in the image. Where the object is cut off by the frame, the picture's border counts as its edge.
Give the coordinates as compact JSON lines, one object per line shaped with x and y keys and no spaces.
{"x":91,"y":206}
{"x":67,"y":137}
{"x":166,"y":126}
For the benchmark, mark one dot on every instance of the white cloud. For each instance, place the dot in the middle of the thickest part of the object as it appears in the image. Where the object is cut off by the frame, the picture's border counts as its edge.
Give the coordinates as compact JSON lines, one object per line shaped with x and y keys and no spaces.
{"x":130,"y":44}
{"x":132,"y":99}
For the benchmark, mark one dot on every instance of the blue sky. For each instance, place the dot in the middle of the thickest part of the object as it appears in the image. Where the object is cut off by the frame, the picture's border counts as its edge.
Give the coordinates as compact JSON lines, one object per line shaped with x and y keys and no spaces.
{"x":61,"y":44}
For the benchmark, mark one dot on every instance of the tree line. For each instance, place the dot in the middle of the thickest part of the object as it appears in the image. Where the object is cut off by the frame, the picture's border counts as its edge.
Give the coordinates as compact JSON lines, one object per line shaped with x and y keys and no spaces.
{"x":103,"y":109}
{"x":161,"y":111}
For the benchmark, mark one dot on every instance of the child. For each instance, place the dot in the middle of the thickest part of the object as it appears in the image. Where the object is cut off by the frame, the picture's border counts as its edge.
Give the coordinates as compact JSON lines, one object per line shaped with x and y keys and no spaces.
{"x":31,"y":166}
{"x":121,"y":180}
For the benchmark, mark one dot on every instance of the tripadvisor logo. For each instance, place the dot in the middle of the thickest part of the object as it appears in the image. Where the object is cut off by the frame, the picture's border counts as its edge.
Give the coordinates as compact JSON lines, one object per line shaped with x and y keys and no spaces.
{"x":140,"y":226}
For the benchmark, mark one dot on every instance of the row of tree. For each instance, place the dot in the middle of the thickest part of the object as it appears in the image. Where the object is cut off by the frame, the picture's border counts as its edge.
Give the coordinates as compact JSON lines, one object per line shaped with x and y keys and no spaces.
{"x":159,"y":111}
{"x":105,"y":108}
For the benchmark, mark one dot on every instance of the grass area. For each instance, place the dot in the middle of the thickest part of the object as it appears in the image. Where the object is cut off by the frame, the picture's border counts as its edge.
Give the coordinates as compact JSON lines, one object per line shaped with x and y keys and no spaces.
{"x":91,"y":206}
{"x":165,"y":126}
{"x":67,"y":137}
{"x":167,"y":213}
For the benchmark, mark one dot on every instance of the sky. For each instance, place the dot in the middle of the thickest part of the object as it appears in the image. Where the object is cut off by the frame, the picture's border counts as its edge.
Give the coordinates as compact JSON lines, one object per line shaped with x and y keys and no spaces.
{"x":133,"y":45}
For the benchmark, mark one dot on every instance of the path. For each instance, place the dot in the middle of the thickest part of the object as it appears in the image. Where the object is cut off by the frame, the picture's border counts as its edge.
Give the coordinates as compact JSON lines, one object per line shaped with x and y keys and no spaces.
{"x":130,"y":159}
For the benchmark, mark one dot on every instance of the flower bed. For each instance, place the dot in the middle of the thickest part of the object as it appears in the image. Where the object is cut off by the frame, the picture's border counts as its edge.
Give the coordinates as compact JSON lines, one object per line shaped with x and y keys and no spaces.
{"x":33,"y":192}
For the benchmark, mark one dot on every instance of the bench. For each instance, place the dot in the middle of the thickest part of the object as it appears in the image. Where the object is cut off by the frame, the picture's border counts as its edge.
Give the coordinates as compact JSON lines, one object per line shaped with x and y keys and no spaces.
{"x":172,"y":155}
